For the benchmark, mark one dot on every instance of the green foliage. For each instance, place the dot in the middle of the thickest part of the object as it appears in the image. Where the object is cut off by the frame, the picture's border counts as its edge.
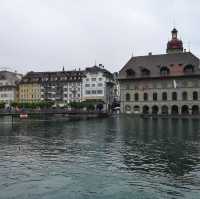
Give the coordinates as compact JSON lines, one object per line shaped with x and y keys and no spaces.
{"x":32,"y":105}
{"x":2,"y":105}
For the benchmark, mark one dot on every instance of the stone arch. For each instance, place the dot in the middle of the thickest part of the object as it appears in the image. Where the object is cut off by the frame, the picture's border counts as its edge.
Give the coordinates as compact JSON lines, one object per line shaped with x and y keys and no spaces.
{"x":165,"y":110}
{"x":174,"y":110}
{"x":128,"y":97}
{"x":185,"y":110}
{"x":136,"y":109}
{"x":145,"y":109}
{"x":127,"y":108}
{"x":155,"y":110}
{"x":195,"y":110}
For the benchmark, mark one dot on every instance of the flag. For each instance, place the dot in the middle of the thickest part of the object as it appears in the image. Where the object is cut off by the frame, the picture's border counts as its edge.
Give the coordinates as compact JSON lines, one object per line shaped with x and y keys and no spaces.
{"x":174,"y":83}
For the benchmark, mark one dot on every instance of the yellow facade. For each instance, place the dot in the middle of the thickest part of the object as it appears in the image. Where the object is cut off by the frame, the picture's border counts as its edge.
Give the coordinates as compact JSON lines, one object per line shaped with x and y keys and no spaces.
{"x":29,"y":92}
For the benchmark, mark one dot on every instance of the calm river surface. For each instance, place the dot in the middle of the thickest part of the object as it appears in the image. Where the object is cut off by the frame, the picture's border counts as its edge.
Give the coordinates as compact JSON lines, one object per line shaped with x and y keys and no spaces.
{"x":121,"y":157}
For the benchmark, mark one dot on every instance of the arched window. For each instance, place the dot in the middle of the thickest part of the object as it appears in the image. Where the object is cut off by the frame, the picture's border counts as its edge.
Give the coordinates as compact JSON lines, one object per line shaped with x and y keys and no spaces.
{"x":195,"y":95}
{"x":188,"y":69}
{"x":145,"y":110}
{"x":145,"y":72}
{"x":164,"y":71}
{"x":155,"y":96}
{"x":128,"y":97}
{"x":164,"y":96}
{"x":136,"y":96}
{"x":155,"y":109}
{"x":164,"y":110}
{"x":185,"y":109}
{"x":130,"y":73}
{"x":184,"y":95}
{"x":145,"y":96}
{"x":195,"y":110}
{"x":174,"y":96}
{"x":174,"y":110}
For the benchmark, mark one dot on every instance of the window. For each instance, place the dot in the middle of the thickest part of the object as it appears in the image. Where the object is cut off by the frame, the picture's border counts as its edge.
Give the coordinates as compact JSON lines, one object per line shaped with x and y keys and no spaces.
{"x":87,"y":85}
{"x":174,"y":96}
{"x":155,"y":96}
{"x":94,"y":91}
{"x":128,"y":97}
{"x":136,"y":96}
{"x":164,"y":96}
{"x":87,"y":80}
{"x":184,"y":95}
{"x":195,"y":95}
{"x":99,"y":91}
{"x":188,"y":69}
{"x":93,"y":79}
{"x":130,"y":73}
{"x":100,"y":79}
{"x":145,"y":96}
{"x":93,"y":85}
{"x":100,"y":84}
{"x":164,"y":71}
{"x":87,"y":92}
{"x":145,"y":72}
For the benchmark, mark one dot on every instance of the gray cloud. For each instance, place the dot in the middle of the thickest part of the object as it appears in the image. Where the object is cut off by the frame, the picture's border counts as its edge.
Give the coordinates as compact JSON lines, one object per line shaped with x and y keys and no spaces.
{"x":47,"y":34}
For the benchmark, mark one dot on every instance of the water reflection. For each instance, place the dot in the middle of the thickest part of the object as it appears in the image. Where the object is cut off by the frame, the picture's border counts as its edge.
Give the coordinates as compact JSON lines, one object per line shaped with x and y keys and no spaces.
{"x":156,"y":151}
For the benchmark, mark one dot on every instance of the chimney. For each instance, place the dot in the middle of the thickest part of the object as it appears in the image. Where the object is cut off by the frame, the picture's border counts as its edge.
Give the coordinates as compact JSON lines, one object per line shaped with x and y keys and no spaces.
{"x":150,"y":53}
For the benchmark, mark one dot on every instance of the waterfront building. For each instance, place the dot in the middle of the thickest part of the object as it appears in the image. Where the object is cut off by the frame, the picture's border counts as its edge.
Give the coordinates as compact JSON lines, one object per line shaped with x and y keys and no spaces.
{"x":59,"y":87}
{"x":8,"y":86}
{"x":161,"y":84}
{"x":98,"y":85}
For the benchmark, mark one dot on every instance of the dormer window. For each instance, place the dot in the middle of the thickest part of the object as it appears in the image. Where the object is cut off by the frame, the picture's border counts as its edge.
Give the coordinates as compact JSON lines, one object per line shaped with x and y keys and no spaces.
{"x":164,"y":71}
{"x":145,"y":72}
{"x":188,"y":69}
{"x":130,"y":73}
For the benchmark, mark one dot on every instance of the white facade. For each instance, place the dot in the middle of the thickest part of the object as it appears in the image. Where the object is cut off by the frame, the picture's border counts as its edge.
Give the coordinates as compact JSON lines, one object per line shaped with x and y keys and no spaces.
{"x":8,"y":88}
{"x":98,"y":85}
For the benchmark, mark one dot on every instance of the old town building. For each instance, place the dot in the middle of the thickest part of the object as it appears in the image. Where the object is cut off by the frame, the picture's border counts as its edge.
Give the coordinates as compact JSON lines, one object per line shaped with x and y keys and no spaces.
{"x":61,"y":86}
{"x":98,"y":85}
{"x":8,"y":86}
{"x":161,"y":84}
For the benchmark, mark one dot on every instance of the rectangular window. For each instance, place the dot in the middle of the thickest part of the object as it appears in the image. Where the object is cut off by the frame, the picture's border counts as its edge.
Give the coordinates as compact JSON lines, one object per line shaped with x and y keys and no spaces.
{"x":100,"y":84}
{"x":93,"y":79}
{"x":99,"y":91}
{"x":155,"y":96}
{"x":94,"y":91}
{"x":87,"y":92}
{"x":87,"y":85}
{"x":100,"y":79}
{"x":93,"y":85}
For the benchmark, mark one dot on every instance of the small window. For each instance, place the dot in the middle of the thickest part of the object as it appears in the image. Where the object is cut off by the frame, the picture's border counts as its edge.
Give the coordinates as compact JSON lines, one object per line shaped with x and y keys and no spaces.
{"x":99,"y":91}
{"x":94,"y":91}
{"x":93,"y":79}
{"x":155,"y":96}
{"x":174,"y":96}
{"x":130,"y":73}
{"x":87,"y":85}
{"x":87,"y":92}
{"x":195,"y":95}
{"x":164,"y":96}
{"x":136,"y":97}
{"x":145,"y":97}
{"x":128,"y":97}
{"x":184,"y":95}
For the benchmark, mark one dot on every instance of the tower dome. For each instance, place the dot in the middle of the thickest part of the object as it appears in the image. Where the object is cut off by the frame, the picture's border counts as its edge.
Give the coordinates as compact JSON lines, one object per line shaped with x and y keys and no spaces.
{"x":175,"y":45}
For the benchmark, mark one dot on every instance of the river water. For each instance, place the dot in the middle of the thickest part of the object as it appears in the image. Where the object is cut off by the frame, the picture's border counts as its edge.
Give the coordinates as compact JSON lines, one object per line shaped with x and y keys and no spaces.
{"x":120,"y":157}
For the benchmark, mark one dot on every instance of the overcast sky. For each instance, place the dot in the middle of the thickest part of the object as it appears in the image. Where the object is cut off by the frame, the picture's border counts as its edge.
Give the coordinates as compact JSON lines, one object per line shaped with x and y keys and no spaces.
{"x":44,"y":35}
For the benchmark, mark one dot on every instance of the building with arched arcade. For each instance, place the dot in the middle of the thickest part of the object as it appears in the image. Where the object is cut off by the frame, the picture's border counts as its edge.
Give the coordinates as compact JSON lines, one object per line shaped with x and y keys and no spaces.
{"x":161,"y":84}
